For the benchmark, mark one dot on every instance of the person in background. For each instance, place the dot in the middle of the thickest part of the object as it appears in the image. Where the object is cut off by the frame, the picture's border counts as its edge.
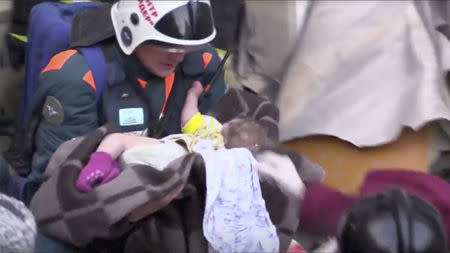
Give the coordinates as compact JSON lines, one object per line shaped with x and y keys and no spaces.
{"x":418,"y":205}
{"x":17,"y":226}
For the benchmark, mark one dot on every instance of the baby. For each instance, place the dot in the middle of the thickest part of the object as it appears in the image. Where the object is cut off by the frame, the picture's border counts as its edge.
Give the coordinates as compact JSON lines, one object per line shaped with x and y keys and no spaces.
{"x":197,"y":130}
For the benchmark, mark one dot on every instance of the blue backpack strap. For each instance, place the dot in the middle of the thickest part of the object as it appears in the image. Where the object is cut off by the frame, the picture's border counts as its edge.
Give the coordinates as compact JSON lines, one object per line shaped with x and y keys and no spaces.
{"x":96,"y":61}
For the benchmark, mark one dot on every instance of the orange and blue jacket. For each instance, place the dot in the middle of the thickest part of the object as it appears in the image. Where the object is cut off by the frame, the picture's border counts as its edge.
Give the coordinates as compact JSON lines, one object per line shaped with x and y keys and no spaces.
{"x":68,"y":80}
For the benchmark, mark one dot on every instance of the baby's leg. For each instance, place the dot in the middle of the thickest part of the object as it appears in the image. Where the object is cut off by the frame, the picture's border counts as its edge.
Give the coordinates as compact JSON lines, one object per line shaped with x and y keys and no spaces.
{"x":116,"y":144}
{"x":191,"y":103}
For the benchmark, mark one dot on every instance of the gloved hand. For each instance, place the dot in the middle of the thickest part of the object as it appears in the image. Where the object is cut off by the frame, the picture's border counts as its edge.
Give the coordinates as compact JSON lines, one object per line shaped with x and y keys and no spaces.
{"x":101,"y":168}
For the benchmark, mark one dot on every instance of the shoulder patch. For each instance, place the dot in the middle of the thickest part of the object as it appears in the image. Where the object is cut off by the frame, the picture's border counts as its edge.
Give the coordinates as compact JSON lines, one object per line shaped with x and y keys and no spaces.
{"x":59,"y":59}
{"x":89,"y":79}
{"x":207,"y":57}
{"x":53,"y":111}
{"x":142,"y":83}
{"x":193,"y":63}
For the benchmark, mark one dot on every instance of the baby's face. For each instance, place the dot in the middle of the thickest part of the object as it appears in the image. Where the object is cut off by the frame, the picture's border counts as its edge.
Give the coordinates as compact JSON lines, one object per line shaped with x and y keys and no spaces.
{"x":238,"y":133}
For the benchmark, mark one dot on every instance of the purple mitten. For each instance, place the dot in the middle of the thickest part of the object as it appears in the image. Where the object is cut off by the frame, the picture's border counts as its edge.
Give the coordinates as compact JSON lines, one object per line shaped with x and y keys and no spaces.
{"x":101,"y":169}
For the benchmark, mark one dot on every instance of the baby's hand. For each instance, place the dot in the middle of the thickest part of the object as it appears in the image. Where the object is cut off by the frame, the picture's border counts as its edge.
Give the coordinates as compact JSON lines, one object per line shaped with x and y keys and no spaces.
{"x":100,"y":169}
{"x":191,"y":103}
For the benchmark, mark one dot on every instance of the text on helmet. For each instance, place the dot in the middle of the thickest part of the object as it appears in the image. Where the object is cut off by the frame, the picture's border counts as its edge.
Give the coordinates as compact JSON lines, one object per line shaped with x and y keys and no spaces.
{"x":148,"y":10}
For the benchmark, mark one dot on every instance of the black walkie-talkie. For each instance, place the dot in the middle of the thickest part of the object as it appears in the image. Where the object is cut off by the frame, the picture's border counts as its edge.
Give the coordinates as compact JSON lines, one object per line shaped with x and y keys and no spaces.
{"x":207,"y":87}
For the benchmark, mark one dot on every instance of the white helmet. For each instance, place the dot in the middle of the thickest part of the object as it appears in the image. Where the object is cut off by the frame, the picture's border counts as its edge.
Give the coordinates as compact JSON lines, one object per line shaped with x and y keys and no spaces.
{"x":178,"y":25}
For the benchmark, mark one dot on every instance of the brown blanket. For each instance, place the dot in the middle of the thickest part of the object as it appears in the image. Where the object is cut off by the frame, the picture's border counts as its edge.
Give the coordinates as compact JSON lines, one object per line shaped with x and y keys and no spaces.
{"x":79,"y":218}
